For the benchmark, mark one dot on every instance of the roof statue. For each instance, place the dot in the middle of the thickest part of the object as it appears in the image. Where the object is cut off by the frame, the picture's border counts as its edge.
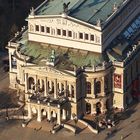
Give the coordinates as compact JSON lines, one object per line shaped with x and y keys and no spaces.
{"x":98,"y":22}
{"x":52,"y":58}
{"x":115,"y":7}
{"x":65,"y":7}
{"x":32,"y":11}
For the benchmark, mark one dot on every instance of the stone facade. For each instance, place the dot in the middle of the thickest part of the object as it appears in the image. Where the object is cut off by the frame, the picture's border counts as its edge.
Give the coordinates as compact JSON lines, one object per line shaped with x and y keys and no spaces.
{"x":53,"y":92}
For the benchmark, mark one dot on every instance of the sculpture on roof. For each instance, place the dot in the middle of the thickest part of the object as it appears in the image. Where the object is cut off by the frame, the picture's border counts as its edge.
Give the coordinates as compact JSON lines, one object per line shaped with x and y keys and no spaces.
{"x":115,"y":7}
{"x":52,"y":58}
{"x":32,"y":11}
{"x":65,"y":7}
{"x":98,"y":22}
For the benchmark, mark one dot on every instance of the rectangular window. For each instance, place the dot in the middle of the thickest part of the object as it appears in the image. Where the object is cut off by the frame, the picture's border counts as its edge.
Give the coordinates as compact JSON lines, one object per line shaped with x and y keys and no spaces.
{"x":92,"y":37}
{"x":37,"y":28}
{"x":86,"y":37}
{"x":42,"y":28}
{"x":88,"y":87}
{"x":58,"y":32}
{"x":69,"y":34}
{"x":48,"y":29}
{"x":81,"y":35}
{"x":64,"y":32}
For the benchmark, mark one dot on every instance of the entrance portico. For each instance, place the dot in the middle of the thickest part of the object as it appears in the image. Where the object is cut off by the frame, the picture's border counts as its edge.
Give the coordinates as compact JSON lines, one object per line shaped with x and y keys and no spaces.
{"x":54,"y":109}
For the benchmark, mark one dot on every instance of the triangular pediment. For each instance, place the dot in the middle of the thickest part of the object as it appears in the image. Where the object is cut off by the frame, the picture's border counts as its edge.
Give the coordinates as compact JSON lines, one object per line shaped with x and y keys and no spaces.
{"x":67,"y":22}
{"x":45,"y":70}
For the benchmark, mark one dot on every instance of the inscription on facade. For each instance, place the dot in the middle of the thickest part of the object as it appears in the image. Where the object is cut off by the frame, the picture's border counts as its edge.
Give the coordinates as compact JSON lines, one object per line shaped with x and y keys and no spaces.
{"x":60,"y":21}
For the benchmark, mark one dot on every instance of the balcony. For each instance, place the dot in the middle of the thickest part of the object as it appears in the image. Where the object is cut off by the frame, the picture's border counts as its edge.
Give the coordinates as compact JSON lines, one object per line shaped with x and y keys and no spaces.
{"x":39,"y":99}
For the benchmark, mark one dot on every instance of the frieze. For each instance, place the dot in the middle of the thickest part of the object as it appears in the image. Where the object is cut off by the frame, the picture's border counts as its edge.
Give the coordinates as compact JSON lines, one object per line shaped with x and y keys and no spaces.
{"x":59,"y":21}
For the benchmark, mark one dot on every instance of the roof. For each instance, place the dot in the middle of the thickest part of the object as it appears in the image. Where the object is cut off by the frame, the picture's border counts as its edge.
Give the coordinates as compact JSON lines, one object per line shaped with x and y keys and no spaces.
{"x":67,"y":57}
{"x":86,"y":10}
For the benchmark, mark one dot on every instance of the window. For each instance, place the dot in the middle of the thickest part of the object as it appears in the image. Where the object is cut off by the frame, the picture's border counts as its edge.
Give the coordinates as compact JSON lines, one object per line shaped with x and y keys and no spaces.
{"x":37,"y":28}
{"x":92,"y":37}
{"x":42,"y":28}
{"x":88,"y":87}
{"x":48,"y":29}
{"x":69,"y":34}
{"x":81,"y":35}
{"x":98,"y":87}
{"x":64,"y":32}
{"x":86,"y":37}
{"x":58,"y":32}
{"x":13,"y":62}
{"x":72,"y":91}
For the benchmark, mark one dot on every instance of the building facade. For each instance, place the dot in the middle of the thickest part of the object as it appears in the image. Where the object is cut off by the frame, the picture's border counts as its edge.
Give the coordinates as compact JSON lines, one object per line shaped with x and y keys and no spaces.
{"x":77,"y":58}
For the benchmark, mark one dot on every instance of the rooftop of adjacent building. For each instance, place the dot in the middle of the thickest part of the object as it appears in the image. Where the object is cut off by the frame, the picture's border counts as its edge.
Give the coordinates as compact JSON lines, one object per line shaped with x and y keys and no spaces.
{"x":90,"y":11}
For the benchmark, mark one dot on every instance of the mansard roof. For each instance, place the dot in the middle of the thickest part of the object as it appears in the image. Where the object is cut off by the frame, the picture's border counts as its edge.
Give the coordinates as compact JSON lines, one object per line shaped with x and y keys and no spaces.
{"x":89,"y":11}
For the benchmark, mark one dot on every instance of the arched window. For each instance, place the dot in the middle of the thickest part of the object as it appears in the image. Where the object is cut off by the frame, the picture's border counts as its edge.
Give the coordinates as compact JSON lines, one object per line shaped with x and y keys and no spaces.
{"x":88,"y":108}
{"x":31,"y":83}
{"x":88,"y":87}
{"x":52,"y":86}
{"x":68,"y":91}
{"x":98,"y":87}
{"x":72,"y":91}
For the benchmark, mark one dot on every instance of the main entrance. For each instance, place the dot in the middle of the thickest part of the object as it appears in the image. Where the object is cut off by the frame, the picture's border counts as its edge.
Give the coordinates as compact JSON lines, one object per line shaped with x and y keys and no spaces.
{"x":98,"y":108}
{"x":88,"y":108}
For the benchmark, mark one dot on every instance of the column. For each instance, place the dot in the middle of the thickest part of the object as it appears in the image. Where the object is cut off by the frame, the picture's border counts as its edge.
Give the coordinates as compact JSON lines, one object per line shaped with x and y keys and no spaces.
{"x":93,"y":110}
{"x":93,"y":88}
{"x":103,"y":107}
{"x":55,"y":88}
{"x":45,"y":87}
{"x":39,"y":114}
{"x":10,"y":62}
{"x":29,"y":111}
{"x":103,"y":86}
{"x":75,"y":96}
{"x":65,"y":88}
{"x":48,"y":112}
{"x":40,"y":83}
{"x":35,"y":82}
{"x":64,"y":114}
{"x":60,"y":86}
{"x":70,"y":89}
{"x":58,"y":115}
{"x":26,"y":82}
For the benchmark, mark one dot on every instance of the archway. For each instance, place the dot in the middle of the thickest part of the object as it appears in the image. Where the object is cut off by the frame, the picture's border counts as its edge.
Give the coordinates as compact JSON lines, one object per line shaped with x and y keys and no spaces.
{"x":98,"y":87}
{"x":44,"y":113}
{"x":31,"y":82}
{"x":88,"y":108}
{"x":98,"y":108}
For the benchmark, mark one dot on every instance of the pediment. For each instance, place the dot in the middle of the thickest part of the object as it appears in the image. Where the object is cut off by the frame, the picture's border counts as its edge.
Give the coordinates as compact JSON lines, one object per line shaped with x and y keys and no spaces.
{"x":67,"y":22}
{"x":44,"y":70}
